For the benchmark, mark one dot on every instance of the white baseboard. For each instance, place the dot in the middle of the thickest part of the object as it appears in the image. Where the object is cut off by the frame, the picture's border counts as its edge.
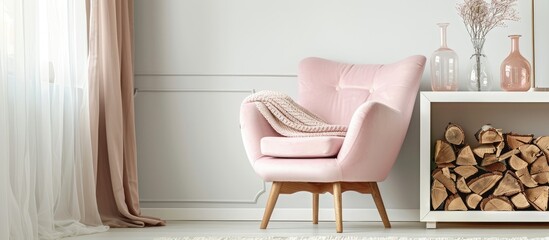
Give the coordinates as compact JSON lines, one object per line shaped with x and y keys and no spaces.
{"x":283,"y":214}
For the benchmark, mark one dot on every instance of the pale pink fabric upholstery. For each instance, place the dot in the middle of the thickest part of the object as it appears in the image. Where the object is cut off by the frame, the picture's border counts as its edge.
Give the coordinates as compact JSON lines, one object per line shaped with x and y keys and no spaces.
{"x":301,"y":147}
{"x":374,"y":100}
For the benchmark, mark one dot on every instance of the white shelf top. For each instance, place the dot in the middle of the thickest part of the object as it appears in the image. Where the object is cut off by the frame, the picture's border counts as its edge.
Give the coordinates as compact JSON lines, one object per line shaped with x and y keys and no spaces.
{"x":486,"y":97}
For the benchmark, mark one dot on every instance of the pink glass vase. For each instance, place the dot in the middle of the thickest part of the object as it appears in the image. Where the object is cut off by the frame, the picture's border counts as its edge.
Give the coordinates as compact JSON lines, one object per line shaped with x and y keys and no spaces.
{"x":444,"y":65}
{"x":515,"y":69}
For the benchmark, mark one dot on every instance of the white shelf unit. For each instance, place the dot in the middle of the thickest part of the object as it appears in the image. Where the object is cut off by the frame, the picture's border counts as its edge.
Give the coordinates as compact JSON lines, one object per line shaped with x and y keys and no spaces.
{"x":512,"y":111}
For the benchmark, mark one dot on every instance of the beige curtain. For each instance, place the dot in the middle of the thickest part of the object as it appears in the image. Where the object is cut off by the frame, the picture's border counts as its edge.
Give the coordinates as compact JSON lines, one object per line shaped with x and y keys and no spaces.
{"x":112,"y":113}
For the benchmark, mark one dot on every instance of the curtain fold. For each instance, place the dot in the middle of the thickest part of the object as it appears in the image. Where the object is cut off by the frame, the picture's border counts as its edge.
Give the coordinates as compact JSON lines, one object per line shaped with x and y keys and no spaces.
{"x":112,"y":113}
{"x":4,"y":156}
{"x":47,"y":180}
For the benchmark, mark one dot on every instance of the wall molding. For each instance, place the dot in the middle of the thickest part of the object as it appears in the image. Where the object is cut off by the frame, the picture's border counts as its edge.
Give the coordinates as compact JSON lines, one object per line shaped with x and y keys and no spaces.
{"x":253,"y":201}
{"x":244,"y":199}
{"x":212,"y":75}
{"x":280,"y":214}
{"x":185,"y":90}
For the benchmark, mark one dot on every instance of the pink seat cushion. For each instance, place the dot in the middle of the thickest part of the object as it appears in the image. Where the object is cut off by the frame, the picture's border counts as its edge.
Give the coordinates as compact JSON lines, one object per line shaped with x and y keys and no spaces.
{"x":301,"y":147}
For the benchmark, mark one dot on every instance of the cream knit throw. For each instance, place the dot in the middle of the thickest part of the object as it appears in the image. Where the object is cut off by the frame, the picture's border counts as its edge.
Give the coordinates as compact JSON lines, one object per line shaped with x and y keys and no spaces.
{"x":289,"y":118}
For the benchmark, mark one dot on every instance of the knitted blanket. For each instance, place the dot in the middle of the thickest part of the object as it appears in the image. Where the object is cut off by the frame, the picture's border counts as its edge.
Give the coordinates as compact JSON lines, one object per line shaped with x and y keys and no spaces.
{"x":289,"y":118}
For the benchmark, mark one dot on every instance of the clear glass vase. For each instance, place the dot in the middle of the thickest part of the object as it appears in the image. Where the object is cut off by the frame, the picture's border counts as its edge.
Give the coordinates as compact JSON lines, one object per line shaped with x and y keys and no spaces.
{"x":479,"y":77}
{"x":515,"y":69}
{"x":444,"y":65}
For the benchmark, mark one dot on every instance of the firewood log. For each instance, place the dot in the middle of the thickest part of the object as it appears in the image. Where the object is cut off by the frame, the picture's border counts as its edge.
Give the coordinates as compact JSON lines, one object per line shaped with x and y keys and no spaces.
{"x":516,"y":163}
{"x":454,"y":134}
{"x":529,"y":152}
{"x":446,"y":172}
{"x":444,"y":152}
{"x":489,"y":159}
{"x":484,"y":182}
{"x":543,"y":144}
{"x":508,"y":154}
{"x":520,"y":201}
{"x":499,"y":148}
{"x":466,"y":157}
{"x":488,"y":134}
{"x":462,"y":185}
{"x":473,"y":200}
{"x":538,"y":197}
{"x":509,"y":185}
{"x":446,"y":165}
{"x":541,"y":178}
{"x":493,"y":203}
{"x":516,"y":140}
{"x":539,"y":165}
{"x":466,"y":171}
{"x":514,"y":171}
{"x":526,"y":178}
{"x":483,"y":149}
{"x":455,"y":203}
{"x":495,"y":167}
{"x":446,"y":181}
{"x":438,"y":194}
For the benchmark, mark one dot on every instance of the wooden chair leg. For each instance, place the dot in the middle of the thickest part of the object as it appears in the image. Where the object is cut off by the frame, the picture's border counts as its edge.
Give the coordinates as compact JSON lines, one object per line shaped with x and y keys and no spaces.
{"x":337,"y":206}
{"x":315,"y":208}
{"x":275,"y":191}
{"x":379,"y":204}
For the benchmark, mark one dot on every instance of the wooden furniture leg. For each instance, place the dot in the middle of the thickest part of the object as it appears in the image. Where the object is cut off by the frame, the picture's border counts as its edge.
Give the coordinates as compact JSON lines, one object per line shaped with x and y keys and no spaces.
{"x":336,"y":189}
{"x":315,"y":208}
{"x":337,"y":206}
{"x":379,"y":204}
{"x":275,"y":191}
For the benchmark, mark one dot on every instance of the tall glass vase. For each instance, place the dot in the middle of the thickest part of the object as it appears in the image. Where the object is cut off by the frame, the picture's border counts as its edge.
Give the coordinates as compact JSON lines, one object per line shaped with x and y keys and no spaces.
{"x":444,"y":65}
{"x":515,"y":69}
{"x":480,"y":78}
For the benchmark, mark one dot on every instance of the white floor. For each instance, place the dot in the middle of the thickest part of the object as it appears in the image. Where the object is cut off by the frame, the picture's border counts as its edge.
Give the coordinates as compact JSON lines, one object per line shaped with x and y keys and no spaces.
{"x":301,"y":229}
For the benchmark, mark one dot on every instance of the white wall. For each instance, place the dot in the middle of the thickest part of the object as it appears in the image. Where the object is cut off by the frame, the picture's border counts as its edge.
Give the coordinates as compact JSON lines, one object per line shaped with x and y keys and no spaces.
{"x":191,"y":160}
{"x":542,"y":50}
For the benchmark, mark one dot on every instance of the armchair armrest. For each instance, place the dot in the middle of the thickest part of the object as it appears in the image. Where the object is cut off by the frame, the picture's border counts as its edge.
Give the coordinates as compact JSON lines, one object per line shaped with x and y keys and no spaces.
{"x":374,"y":138}
{"x":253,"y":127}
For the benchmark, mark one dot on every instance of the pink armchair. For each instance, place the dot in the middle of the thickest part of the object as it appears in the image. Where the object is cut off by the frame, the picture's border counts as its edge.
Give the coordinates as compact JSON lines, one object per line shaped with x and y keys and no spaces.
{"x":374,"y":101}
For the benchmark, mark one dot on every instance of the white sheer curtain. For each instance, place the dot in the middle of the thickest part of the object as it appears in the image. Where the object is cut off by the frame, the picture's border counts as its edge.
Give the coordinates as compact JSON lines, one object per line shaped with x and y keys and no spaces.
{"x":47,"y":178}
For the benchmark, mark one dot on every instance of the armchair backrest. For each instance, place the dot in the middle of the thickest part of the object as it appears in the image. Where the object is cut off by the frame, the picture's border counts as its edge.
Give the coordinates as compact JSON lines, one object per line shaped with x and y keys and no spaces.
{"x":335,"y":90}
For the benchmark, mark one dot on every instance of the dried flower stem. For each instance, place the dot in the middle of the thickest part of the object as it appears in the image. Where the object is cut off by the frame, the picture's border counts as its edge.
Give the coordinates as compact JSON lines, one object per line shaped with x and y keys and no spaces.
{"x":480,"y":17}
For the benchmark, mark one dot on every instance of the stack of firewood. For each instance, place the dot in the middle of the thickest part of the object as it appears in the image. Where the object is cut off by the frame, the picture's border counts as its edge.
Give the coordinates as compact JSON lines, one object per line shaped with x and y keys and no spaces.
{"x":505,"y":172}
